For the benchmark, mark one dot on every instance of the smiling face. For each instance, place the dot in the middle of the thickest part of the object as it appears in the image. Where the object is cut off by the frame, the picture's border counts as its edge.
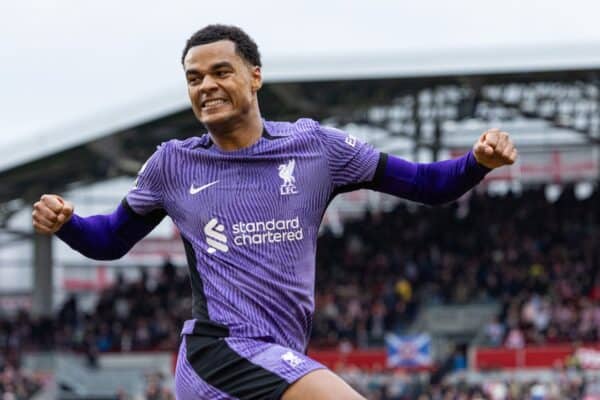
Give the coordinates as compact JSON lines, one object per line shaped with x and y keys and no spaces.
{"x":222,"y":86}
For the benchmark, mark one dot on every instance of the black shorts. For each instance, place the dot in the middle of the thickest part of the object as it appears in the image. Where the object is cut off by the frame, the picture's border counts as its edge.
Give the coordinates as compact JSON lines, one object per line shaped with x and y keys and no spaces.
{"x":237,"y":368}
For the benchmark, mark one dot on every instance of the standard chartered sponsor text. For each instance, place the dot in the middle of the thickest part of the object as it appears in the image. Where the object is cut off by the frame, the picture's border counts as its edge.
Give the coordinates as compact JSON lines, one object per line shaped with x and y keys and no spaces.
{"x":271,"y":231}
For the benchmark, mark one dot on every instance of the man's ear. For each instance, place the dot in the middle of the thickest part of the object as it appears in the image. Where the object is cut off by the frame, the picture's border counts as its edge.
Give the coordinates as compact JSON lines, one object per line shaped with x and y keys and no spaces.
{"x":256,"y":78}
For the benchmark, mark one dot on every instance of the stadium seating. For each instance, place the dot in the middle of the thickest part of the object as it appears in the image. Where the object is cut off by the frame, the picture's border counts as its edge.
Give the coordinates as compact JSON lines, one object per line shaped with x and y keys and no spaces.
{"x":374,"y":278}
{"x":377,"y":275}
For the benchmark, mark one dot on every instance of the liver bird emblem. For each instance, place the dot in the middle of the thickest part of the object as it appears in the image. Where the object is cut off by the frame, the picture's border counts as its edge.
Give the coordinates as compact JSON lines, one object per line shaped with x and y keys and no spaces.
{"x":286,"y":172}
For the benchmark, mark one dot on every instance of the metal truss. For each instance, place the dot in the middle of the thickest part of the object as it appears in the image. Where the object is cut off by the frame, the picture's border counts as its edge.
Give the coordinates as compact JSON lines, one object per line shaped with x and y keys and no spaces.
{"x":546,"y":110}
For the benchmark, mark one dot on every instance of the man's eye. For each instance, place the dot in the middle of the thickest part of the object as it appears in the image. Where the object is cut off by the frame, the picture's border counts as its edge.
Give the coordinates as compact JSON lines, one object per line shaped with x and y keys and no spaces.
{"x":222,"y":74}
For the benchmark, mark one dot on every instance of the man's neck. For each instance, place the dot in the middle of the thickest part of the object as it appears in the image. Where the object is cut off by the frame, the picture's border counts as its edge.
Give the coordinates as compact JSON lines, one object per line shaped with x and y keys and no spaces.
{"x":238,"y":135}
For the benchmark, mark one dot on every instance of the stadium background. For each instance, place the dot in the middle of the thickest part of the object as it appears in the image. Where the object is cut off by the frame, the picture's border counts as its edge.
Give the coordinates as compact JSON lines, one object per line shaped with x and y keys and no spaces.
{"x":495,"y":296}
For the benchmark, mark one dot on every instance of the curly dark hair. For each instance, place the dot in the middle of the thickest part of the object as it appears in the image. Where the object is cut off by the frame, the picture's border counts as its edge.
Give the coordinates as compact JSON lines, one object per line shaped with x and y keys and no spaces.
{"x":244,"y":45}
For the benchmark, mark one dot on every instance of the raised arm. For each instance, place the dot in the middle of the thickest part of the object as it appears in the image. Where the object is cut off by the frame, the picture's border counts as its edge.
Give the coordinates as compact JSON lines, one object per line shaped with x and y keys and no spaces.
{"x":101,"y":237}
{"x":444,"y":181}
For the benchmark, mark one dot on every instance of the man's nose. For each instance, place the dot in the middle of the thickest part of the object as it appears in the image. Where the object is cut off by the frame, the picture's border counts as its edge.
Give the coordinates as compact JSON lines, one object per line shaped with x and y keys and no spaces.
{"x":208,"y":84}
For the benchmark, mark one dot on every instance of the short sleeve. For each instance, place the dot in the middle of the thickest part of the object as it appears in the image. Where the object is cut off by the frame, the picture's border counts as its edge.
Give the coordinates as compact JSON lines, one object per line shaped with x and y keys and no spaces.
{"x":146,"y":194}
{"x":352,"y":162}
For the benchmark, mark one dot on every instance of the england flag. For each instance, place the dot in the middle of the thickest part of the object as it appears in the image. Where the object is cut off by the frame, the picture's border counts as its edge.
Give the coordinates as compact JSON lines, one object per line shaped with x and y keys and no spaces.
{"x":408,"y":351}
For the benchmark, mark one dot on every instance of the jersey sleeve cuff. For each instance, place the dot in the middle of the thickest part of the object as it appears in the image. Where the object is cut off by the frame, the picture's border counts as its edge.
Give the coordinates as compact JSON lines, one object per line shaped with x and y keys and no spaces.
{"x":152,"y":218}
{"x":474,"y":166}
{"x":380,"y":170}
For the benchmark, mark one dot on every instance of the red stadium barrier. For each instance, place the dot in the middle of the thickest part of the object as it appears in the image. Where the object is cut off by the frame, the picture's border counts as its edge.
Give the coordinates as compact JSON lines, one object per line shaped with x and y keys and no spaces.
{"x":529,"y":357}
{"x":375,"y":359}
{"x":358,"y":358}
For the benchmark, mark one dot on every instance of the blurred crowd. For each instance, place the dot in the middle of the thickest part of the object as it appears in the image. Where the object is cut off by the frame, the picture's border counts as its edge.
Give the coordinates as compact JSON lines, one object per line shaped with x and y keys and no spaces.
{"x":560,"y":384}
{"x":17,"y":384}
{"x":146,"y":314}
{"x":538,"y":258}
{"x":156,"y":389}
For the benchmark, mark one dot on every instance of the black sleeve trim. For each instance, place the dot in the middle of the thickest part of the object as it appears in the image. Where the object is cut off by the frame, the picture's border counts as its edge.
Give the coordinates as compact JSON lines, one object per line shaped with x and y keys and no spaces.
{"x":153,"y":218}
{"x":373,"y":184}
{"x":379,"y":171}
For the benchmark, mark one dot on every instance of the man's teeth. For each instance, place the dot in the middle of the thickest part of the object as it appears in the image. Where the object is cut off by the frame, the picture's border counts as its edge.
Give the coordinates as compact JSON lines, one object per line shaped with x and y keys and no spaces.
{"x":212,"y":103}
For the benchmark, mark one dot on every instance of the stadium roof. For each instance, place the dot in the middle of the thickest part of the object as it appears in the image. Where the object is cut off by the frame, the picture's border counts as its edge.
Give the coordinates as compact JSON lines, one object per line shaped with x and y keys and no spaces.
{"x":78,"y":129}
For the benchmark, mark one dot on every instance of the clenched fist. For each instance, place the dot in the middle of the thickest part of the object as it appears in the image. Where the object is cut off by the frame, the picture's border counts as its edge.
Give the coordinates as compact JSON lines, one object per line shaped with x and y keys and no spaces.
{"x":50,"y":213}
{"x":494,"y":149}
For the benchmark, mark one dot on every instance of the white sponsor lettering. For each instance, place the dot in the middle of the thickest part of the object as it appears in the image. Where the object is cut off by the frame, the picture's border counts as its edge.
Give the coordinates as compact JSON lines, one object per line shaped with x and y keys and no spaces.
{"x":271,"y":231}
{"x":252,"y":233}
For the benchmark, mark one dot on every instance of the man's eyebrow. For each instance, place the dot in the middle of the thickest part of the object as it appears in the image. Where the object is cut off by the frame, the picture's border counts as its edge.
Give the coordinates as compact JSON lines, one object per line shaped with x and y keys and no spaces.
{"x":222,"y":64}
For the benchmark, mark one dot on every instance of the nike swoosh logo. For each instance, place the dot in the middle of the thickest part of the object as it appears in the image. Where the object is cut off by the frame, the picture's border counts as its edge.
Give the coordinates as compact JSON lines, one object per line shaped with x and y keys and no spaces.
{"x":195,"y":190}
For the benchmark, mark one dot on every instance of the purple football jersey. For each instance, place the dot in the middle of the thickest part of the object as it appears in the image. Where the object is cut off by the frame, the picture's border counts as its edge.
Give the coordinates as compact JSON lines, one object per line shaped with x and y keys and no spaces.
{"x":249,"y":220}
